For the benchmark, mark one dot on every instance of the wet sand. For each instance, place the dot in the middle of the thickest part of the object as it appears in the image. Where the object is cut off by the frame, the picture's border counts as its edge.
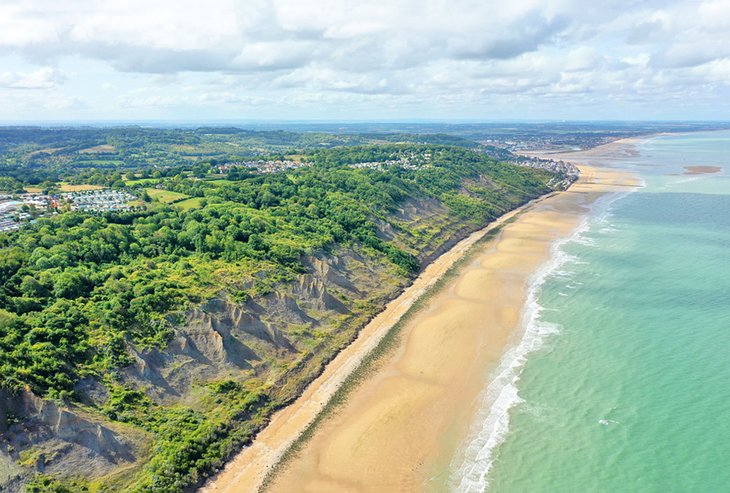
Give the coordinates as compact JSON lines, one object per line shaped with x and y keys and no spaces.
{"x":247,"y":470}
{"x":399,"y":429}
{"x":602,"y":156}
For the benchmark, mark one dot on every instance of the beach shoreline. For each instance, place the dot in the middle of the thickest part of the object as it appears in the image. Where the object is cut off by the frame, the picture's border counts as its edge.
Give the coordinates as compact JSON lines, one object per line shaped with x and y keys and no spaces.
{"x":470,"y":466}
{"x":247,"y":471}
{"x":400,"y":429}
{"x":604,"y":156}
{"x":613,"y":148}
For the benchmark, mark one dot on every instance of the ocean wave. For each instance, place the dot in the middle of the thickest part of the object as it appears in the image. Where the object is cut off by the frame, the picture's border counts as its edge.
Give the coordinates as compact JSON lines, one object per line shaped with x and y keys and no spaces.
{"x":492,"y":421}
{"x":584,"y":241}
{"x":471,"y":466}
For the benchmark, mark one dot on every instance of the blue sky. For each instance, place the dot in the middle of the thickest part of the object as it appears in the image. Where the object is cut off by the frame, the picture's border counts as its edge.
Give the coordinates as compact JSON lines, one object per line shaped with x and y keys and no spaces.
{"x":351,"y":60}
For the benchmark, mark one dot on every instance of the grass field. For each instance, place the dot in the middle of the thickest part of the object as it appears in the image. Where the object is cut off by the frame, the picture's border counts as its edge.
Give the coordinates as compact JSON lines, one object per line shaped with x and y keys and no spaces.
{"x":98,"y":149}
{"x":183,"y":148}
{"x":33,"y":189}
{"x":50,"y":150}
{"x":165,"y":196}
{"x":192,"y":203}
{"x":141,"y":181}
{"x":67,"y":187}
{"x":97,"y":160}
{"x":220,"y":182}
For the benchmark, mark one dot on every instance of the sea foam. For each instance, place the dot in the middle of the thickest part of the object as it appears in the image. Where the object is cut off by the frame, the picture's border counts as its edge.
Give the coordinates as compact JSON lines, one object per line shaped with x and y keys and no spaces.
{"x":471,"y":466}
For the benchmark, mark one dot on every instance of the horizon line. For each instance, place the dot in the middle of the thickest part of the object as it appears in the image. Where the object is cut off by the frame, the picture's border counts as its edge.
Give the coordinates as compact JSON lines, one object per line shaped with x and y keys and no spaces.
{"x":229,"y":121}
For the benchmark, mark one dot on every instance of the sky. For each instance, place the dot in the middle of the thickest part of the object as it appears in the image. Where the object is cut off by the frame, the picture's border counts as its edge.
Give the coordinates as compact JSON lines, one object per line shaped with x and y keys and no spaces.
{"x":349,"y":60}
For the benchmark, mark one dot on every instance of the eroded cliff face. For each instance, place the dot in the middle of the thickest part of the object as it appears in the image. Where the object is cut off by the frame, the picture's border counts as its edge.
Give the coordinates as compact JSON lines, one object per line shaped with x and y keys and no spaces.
{"x":224,"y":340}
{"x":283,"y":338}
{"x":44,"y":436}
{"x":432,"y":218}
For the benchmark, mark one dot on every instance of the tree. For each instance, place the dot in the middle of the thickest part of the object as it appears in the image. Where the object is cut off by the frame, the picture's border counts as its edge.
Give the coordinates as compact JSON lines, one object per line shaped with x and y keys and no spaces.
{"x":31,"y":288}
{"x":69,"y":284}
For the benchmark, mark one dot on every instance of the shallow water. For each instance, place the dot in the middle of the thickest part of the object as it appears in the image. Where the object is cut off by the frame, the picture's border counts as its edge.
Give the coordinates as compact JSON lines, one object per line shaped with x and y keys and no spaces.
{"x":622,"y":380}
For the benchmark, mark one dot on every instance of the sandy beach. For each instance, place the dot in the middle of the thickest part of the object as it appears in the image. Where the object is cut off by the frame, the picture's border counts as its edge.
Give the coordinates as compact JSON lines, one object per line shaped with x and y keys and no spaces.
{"x":249,"y":468}
{"x":602,"y":156}
{"x":400,"y":428}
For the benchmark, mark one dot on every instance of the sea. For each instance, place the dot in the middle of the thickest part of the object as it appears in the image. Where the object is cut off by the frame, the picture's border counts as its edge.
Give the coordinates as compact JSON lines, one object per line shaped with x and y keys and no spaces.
{"x":620,"y":380}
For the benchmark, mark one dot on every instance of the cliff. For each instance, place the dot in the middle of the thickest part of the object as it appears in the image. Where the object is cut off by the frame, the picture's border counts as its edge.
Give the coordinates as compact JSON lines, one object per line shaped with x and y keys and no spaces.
{"x":172,"y":413}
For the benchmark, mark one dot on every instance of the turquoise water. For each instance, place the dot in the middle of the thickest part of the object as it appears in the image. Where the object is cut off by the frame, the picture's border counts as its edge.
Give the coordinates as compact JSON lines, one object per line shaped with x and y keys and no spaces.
{"x":628,"y":389}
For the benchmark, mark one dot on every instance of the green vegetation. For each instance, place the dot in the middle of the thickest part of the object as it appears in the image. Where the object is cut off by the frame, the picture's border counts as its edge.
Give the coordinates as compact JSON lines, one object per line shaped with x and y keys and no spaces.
{"x":82,"y":294}
{"x":194,"y":203}
{"x":165,"y":196}
{"x":46,"y":484}
{"x":371,"y":361}
{"x":141,"y":182}
{"x":41,"y":156}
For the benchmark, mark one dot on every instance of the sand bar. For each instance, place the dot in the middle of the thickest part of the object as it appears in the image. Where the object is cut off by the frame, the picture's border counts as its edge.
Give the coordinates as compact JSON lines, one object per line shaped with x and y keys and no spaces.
{"x":400,"y":428}
{"x":701,"y":170}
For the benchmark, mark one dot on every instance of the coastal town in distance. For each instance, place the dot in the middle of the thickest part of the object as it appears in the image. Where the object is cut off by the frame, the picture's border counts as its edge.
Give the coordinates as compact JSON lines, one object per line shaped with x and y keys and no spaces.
{"x":511,"y":143}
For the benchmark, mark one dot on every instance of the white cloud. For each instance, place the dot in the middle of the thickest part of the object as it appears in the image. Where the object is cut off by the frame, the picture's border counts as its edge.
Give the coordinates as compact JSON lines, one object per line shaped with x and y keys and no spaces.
{"x":459,"y":54}
{"x":43,"y":78}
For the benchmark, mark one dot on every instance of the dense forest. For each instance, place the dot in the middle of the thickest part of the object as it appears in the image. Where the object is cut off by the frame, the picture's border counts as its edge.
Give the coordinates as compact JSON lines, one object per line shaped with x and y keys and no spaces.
{"x":85,"y":297}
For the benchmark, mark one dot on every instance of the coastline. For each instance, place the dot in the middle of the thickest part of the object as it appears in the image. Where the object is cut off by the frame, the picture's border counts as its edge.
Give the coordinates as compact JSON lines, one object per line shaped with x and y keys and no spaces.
{"x":601,"y":156}
{"x":470,"y":467}
{"x":413,"y":378}
{"x":248,"y":469}
{"x":599,"y":395}
{"x":400,"y":429}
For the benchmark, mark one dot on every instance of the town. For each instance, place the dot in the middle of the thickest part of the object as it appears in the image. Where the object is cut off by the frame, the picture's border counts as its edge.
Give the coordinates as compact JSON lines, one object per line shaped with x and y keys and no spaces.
{"x":563,"y":168}
{"x":266,"y":167}
{"x":19,"y":209}
{"x":412,"y":162}
{"x":566,"y":171}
